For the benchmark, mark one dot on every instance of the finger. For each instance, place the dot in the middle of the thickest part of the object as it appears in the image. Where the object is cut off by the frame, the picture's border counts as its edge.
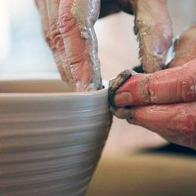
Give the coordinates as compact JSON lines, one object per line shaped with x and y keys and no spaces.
{"x":175,"y":122}
{"x":185,"y":48}
{"x":53,"y":12}
{"x":55,"y":41}
{"x":75,"y":22}
{"x":93,"y":15}
{"x":123,"y":113}
{"x":42,"y":6}
{"x":166,"y":86}
{"x":49,"y":15}
{"x":154,"y":31}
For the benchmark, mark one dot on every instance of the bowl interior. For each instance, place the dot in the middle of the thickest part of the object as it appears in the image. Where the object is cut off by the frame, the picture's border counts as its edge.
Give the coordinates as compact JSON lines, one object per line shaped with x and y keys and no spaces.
{"x":34,"y":86}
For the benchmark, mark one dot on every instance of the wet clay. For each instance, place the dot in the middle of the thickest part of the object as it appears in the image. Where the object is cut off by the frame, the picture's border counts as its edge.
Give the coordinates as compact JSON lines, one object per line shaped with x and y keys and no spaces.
{"x":81,"y":43}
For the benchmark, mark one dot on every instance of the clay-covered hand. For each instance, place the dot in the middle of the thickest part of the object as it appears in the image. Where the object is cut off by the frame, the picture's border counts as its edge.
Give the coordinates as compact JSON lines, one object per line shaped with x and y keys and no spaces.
{"x":165,"y":101}
{"x":68,"y":28}
{"x":152,"y":26}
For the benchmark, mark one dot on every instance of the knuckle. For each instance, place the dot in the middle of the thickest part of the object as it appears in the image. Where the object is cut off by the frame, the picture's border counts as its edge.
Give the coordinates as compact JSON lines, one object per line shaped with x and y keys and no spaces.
{"x":47,"y":36}
{"x":188,"y":124}
{"x":150,"y":93}
{"x":188,"y":89}
{"x":66,"y":23}
{"x":54,"y":38}
{"x":57,"y":40}
{"x":50,"y":37}
{"x":189,"y":129}
{"x":76,"y":59}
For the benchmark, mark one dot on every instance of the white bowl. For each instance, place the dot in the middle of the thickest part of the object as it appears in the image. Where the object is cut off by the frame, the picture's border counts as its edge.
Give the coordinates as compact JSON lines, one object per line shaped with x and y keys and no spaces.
{"x":51,"y":140}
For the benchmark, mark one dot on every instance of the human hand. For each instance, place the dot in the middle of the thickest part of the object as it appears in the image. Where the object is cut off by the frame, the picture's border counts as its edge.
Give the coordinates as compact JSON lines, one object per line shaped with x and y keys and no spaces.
{"x":68,"y":29}
{"x":164,"y":101}
{"x":152,"y":27}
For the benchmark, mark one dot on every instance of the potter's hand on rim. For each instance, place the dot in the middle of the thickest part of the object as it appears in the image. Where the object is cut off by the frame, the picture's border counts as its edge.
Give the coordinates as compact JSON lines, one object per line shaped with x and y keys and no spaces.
{"x":152,"y":27}
{"x":70,"y":34}
{"x":68,"y":28}
{"x":165,"y":101}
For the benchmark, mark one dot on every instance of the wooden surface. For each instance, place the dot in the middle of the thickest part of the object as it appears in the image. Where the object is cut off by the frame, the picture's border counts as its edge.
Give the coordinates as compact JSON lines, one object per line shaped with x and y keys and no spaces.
{"x":144,"y":175}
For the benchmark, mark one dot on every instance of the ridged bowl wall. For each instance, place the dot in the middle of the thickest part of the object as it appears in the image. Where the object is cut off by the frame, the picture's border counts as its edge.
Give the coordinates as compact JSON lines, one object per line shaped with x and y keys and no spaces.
{"x":51,"y":140}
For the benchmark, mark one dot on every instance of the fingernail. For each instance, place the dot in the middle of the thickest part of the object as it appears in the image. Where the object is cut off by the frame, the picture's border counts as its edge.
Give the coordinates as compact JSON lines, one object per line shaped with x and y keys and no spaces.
{"x":124,"y":113}
{"x":123,"y":99}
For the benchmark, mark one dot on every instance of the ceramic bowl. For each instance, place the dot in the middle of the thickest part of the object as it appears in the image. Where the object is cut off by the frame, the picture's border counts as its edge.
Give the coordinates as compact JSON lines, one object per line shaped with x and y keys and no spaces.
{"x":51,"y":139}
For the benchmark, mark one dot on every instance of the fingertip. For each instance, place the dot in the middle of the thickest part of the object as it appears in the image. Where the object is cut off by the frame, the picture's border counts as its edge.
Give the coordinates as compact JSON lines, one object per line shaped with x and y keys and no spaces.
{"x":115,"y":84}
{"x":124,"y":113}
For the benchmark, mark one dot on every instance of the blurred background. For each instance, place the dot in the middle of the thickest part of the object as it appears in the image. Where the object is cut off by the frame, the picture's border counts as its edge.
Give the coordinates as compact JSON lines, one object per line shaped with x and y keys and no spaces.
{"x":25,"y":55}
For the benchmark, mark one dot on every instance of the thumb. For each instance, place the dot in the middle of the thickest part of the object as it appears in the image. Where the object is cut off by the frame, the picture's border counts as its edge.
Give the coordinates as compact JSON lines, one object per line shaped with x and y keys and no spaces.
{"x":154,"y":31}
